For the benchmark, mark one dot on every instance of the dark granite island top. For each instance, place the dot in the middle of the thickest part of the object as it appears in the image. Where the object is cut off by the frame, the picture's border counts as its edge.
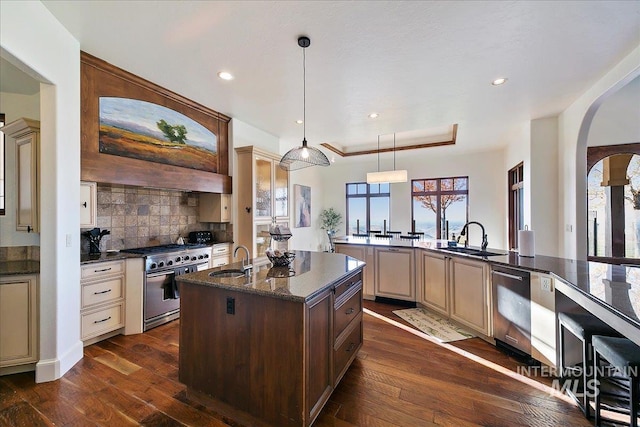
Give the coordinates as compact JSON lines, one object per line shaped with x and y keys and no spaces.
{"x":309,"y":275}
{"x":268,"y":349}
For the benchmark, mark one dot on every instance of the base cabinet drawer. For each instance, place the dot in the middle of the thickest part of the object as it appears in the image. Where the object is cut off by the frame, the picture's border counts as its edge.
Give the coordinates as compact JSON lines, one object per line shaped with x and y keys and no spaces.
{"x":346,"y":312}
{"x":346,"y":351}
{"x":102,"y":320}
{"x":348,"y":284}
{"x":100,"y":270}
{"x":102,"y":292}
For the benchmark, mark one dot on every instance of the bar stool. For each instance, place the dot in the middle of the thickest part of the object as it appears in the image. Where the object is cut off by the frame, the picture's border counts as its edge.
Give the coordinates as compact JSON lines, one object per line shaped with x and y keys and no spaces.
{"x":623,"y":357}
{"x":583,"y":327}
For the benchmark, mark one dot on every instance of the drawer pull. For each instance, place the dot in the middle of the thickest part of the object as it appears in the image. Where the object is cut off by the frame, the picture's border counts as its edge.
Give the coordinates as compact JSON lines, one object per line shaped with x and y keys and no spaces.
{"x":100,"y":271}
{"x":349,"y":310}
{"x":351,"y":347}
{"x":103,"y":320}
{"x":393,"y":250}
{"x":102,"y":292}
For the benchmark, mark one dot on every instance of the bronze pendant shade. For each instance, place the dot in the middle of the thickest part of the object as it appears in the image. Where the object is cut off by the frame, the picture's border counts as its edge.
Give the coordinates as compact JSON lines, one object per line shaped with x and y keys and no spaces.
{"x":303,"y":156}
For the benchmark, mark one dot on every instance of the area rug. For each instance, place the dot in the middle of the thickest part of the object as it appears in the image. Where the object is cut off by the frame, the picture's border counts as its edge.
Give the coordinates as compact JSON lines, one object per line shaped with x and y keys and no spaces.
{"x":432,"y":324}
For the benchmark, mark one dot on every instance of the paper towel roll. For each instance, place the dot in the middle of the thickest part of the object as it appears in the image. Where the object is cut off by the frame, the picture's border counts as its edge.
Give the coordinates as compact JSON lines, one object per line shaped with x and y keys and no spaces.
{"x":526,"y":243}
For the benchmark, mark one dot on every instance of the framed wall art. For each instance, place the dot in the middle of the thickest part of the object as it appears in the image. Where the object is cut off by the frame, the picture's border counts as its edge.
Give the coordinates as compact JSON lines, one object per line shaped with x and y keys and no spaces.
{"x":302,"y":203}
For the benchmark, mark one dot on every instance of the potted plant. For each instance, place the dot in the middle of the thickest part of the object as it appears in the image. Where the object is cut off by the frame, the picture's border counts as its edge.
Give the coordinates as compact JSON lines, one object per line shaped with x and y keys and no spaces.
{"x":329,"y":220}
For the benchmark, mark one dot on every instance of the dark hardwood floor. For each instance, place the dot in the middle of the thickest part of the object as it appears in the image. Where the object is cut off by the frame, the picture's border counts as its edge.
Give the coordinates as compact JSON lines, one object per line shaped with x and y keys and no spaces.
{"x":398,"y":379}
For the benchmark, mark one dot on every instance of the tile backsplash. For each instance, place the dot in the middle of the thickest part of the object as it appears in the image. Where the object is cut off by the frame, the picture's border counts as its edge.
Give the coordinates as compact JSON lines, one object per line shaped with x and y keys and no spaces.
{"x":139,"y":217}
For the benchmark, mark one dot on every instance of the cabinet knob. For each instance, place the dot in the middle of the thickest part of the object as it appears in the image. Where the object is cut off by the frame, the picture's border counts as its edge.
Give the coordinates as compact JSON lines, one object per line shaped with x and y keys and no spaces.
{"x":84,"y":204}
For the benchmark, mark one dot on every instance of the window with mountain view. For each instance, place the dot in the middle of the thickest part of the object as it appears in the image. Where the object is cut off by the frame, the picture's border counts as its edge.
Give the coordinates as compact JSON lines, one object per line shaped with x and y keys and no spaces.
{"x":368,"y":206}
{"x":440,"y":206}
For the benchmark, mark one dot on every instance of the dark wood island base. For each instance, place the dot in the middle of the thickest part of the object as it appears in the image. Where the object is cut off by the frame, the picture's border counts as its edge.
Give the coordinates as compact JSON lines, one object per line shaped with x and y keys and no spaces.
{"x":271,"y":352}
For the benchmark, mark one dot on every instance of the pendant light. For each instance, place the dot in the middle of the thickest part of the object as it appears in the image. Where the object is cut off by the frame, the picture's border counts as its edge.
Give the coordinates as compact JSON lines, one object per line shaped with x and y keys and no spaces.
{"x":387,"y":176}
{"x":303,"y":156}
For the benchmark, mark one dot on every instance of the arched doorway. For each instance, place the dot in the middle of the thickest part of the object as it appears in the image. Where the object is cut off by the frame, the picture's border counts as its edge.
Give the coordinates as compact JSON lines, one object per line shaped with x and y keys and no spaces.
{"x":613,"y":203}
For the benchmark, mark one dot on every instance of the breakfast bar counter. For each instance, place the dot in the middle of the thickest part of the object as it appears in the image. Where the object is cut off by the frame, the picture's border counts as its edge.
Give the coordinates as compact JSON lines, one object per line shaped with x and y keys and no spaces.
{"x":610,"y":292}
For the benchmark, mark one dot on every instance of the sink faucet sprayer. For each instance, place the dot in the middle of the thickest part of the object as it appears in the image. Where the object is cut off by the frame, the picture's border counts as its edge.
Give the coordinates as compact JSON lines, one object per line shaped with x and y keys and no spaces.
{"x":485,"y":243}
{"x":246,"y":268}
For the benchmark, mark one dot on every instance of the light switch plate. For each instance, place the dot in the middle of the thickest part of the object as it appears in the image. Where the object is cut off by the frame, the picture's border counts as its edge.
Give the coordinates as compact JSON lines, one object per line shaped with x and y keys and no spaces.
{"x":545,"y":283}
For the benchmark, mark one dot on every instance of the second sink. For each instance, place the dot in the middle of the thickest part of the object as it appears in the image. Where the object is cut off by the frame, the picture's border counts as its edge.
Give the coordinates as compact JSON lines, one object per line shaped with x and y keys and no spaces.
{"x":471,"y":251}
{"x":227,"y":273}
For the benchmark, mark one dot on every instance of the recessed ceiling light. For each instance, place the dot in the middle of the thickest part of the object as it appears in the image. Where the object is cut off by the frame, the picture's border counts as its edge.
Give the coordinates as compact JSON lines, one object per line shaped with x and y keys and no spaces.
{"x":500,"y":81}
{"x":224,"y":75}
{"x":299,"y":122}
{"x":373,"y":115}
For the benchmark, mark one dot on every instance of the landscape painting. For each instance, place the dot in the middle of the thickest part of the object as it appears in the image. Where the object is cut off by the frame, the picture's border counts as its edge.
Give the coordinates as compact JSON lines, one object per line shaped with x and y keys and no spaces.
{"x":151,"y":132}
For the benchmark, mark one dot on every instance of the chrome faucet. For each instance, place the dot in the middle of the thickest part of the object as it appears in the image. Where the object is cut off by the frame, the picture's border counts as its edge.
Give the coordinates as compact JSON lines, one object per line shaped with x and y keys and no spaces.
{"x":485,"y":243}
{"x":246,"y":268}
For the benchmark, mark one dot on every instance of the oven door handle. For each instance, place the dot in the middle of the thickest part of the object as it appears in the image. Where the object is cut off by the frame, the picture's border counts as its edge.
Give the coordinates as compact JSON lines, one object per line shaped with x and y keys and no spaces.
{"x":161,"y":273}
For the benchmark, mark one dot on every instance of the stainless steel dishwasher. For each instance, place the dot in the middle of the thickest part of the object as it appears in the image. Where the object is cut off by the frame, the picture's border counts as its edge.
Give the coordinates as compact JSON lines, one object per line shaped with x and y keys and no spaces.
{"x":511,"y":309}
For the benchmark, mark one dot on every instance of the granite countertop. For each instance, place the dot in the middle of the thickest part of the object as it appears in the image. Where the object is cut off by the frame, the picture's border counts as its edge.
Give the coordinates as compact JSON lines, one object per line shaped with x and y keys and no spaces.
{"x":15,"y":268}
{"x":105,"y":256}
{"x":312,"y":272}
{"x":611,"y":290}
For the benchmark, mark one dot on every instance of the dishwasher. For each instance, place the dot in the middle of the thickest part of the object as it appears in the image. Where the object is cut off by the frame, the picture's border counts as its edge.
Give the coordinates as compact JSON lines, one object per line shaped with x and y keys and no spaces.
{"x":512,"y":309}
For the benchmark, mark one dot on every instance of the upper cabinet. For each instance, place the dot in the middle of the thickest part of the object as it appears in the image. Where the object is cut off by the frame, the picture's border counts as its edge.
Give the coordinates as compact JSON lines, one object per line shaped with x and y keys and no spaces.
{"x":26,"y":133}
{"x":215,"y":207}
{"x":88,"y":204}
{"x":263,"y":193}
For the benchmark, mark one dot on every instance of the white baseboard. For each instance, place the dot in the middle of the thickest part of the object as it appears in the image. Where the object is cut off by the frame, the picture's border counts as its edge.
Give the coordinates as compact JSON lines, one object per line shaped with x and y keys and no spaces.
{"x":53,"y":369}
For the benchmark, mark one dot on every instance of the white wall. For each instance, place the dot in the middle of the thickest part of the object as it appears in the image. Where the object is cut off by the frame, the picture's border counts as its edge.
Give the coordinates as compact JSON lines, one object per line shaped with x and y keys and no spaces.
{"x":574,"y":124}
{"x":487,"y":186}
{"x":35,"y":42}
{"x":617,"y":121}
{"x":15,"y":106}
{"x":543,"y":184}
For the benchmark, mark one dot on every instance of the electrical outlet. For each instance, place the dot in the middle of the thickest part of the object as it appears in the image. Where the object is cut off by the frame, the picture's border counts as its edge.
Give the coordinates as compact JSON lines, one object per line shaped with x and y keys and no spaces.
{"x":231,"y":305}
{"x":545,"y":283}
{"x":69,"y":240}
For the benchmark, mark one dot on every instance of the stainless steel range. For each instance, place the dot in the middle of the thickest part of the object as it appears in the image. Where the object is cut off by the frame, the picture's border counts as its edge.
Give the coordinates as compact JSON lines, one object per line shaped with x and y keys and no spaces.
{"x":162,"y":264}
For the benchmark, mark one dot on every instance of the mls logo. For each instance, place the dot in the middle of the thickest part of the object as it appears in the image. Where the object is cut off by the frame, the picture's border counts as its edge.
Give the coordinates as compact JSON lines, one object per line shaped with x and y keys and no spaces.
{"x":573,"y":386}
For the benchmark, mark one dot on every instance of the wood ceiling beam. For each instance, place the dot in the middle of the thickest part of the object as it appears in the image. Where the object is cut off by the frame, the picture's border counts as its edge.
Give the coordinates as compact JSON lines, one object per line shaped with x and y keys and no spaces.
{"x":341,"y":153}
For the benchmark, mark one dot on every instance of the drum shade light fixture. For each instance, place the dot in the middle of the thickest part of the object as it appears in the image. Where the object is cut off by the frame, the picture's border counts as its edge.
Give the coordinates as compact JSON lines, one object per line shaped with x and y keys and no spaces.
{"x":387,"y":176}
{"x":303,"y":156}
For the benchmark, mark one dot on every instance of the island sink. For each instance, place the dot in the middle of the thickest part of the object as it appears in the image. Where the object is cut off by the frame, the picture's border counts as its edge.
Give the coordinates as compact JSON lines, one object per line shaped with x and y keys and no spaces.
{"x":233,"y":273}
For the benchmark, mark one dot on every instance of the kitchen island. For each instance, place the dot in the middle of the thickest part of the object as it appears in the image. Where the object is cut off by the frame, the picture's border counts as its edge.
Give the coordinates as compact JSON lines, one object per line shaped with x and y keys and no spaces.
{"x":269,"y":347}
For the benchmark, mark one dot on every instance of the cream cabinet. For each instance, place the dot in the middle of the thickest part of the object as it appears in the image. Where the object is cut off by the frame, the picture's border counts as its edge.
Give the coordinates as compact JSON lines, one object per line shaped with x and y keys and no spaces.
{"x":215,"y":207}
{"x":18,"y":323}
{"x":263,"y":194}
{"x":88,"y":204}
{"x":362,"y":253}
{"x":456,"y":287}
{"x":220,"y":255}
{"x":395,"y":273}
{"x":102,"y":291}
{"x":470,"y":294}
{"x":432,"y":286}
{"x":26,"y":133}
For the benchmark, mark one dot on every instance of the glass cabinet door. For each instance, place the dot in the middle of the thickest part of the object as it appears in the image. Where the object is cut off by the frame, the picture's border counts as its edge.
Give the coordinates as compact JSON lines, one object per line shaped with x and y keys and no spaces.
{"x":263,"y":239}
{"x":281,"y":192}
{"x":263,"y":188}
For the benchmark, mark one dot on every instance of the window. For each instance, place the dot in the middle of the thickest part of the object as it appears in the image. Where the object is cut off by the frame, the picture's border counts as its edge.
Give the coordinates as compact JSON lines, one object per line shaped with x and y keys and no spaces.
{"x":516,"y":203}
{"x":440,"y":206}
{"x":367,"y":206}
{"x":2,"y":167}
